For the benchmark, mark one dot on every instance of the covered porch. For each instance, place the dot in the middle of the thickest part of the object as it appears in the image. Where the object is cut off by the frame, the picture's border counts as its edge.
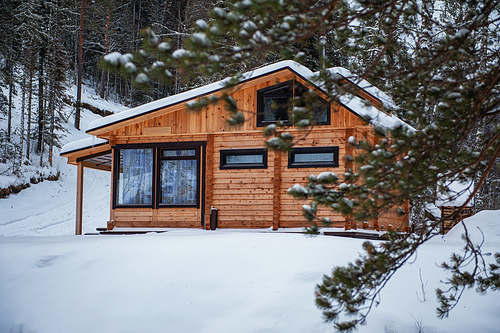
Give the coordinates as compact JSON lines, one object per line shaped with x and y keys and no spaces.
{"x":90,"y":153}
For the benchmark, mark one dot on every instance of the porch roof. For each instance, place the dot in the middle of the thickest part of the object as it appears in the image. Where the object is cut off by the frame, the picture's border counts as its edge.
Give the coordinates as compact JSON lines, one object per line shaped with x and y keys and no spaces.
{"x":93,"y":152}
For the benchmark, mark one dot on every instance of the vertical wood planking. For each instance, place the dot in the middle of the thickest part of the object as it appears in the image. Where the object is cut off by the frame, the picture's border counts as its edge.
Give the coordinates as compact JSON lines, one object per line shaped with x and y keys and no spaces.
{"x":111,"y":210}
{"x":277,"y":190}
{"x":209,"y":178}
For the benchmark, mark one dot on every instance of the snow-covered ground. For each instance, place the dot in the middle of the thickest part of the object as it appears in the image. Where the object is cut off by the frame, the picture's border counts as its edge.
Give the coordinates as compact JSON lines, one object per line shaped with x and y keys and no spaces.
{"x":197,"y":280}
{"x":215,"y":281}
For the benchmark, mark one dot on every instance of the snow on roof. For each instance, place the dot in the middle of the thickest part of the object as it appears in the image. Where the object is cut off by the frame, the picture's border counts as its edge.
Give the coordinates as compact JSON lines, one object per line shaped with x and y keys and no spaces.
{"x":364,"y":109}
{"x":82,"y":144}
{"x":382,"y":119}
{"x":194,"y":93}
{"x":353,"y":103}
{"x":457,"y":195}
{"x":363,"y":84}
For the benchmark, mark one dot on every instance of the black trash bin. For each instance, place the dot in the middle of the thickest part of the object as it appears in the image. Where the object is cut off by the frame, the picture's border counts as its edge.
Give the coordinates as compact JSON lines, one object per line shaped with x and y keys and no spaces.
{"x":213,"y":218}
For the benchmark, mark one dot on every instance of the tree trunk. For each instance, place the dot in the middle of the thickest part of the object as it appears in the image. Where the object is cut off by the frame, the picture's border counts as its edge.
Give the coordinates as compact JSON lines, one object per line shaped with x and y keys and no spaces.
{"x":40,"y":100}
{"x":80,"y":69}
{"x":106,"y":47}
{"x":23,"y":109}
{"x":10,"y":70}
{"x":52,"y":115}
{"x":28,"y":131}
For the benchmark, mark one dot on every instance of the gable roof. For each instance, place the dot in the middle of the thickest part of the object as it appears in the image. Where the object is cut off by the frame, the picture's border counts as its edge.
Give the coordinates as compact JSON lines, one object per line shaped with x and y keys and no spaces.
{"x":195,"y":93}
{"x":353,"y":103}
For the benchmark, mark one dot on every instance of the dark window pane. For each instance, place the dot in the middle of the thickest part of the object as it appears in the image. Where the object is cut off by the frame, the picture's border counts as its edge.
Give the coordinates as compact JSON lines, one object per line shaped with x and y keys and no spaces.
{"x":321,"y":108}
{"x":314,"y":157}
{"x":183,"y":152}
{"x":275,"y":108}
{"x":273,"y":102}
{"x":178,"y":181}
{"x":244,"y":159}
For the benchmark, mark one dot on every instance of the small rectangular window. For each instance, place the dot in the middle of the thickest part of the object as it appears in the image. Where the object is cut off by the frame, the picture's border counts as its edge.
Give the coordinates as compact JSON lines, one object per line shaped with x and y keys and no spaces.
{"x":314,"y":157}
{"x":243,"y":159}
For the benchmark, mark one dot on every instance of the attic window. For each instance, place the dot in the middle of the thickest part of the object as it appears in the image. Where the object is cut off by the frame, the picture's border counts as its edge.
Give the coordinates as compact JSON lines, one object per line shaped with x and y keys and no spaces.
{"x":274,"y":102}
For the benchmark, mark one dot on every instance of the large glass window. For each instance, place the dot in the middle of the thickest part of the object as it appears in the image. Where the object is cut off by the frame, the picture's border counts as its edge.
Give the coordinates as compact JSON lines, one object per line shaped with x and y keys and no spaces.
{"x":274,"y":102}
{"x":135,"y":177}
{"x":157,"y":176}
{"x":178,"y":177}
{"x":314,"y":157}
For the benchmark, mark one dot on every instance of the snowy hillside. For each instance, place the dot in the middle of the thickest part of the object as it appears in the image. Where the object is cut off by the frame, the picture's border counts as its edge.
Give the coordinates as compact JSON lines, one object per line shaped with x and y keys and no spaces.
{"x":24,"y":213}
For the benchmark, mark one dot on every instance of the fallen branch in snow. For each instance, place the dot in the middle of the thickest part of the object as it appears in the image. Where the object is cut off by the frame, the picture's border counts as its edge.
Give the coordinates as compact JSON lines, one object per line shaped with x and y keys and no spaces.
{"x":89,"y":107}
{"x":5,"y":192}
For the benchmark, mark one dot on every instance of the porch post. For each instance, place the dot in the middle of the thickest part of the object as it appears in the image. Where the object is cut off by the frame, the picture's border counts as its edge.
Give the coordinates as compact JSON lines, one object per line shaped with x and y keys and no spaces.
{"x":79,"y":198}
{"x":277,"y":190}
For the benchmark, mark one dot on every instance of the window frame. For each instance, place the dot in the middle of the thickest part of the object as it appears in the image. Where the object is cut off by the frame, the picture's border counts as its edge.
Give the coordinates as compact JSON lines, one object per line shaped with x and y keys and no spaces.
{"x":158,"y":148}
{"x":293,"y":87}
{"x":224,"y":153}
{"x":116,"y":168}
{"x":161,"y":158}
{"x":314,"y":150}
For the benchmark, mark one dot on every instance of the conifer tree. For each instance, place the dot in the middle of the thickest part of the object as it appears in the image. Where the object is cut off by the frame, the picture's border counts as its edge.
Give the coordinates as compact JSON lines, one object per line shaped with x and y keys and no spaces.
{"x":443,"y":74}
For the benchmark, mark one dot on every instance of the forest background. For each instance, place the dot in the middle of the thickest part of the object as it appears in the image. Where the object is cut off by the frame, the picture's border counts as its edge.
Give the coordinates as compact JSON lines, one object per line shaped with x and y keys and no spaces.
{"x":437,"y":59}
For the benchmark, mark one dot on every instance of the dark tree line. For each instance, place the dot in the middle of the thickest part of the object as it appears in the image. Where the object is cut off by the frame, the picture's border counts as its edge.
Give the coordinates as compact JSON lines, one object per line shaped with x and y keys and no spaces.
{"x":39,"y":61}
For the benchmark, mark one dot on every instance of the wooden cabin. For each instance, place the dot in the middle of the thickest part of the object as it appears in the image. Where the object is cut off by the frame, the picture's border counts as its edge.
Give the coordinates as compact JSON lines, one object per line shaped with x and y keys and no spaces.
{"x":170,"y":166}
{"x":451,"y":218}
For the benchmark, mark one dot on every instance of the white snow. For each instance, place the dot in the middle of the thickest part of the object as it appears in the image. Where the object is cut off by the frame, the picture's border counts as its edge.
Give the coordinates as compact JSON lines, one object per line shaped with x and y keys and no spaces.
{"x":323,"y":176}
{"x":363,"y":109}
{"x":83,"y":143}
{"x":141,"y":78}
{"x":457,"y":194}
{"x":179,"y":53}
{"x":113,"y":58}
{"x":363,"y":84}
{"x":194,"y":280}
{"x":461,"y":33}
{"x":202,"y":281}
{"x":297,"y":188}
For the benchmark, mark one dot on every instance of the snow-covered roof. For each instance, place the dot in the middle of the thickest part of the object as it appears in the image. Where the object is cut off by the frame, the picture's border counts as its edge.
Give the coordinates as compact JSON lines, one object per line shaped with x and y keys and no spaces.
{"x":458,"y":193}
{"x":364,"y":109}
{"x":197,"y":92}
{"x":341,"y":72}
{"x":355,"y":104}
{"x":82,"y":144}
{"x":352,"y":103}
